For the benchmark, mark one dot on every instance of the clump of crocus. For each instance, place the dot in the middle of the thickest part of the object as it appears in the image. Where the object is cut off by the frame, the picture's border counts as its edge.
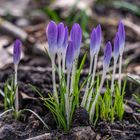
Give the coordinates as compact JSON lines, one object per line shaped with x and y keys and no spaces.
{"x":68,"y":52}
{"x":16,"y":60}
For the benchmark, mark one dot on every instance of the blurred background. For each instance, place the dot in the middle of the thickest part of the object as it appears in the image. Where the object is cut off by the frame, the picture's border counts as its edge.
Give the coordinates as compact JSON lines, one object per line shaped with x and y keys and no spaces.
{"x":27,"y":20}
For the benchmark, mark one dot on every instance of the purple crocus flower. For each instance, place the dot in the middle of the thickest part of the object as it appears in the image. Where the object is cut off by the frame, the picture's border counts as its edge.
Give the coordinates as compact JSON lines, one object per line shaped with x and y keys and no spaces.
{"x":61,"y":35}
{"x":65,"y":42}
{"x":70,"y":55}
{"x":121,"y":34}
{"x":17,"y":51}
{"x":52,"y":32}
{"x":107,"y":55}
{"x":99,"y":36}
{"x":76,"y":37}
{"x":116,"y":47}
{"x":95,"y":40}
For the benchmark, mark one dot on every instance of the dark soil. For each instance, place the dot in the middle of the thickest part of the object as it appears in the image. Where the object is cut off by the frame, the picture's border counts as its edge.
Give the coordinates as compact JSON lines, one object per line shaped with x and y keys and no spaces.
{"x":39,"y":75}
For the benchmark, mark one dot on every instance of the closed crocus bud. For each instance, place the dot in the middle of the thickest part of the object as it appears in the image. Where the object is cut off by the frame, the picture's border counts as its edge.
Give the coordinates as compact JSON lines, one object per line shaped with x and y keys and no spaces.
{"x":116,"y":47}
{"x":95,"y":40}
{"x":70,"y":55}
{"x":121,"y":34}
{"x":107,"y":56}
{"x":65,"y":43}
{"x":99,"y":37}
{"x":76,"y":37}
{"x":17,"y":51}
{"x":61,"y":35}
{"x":52,"y":32}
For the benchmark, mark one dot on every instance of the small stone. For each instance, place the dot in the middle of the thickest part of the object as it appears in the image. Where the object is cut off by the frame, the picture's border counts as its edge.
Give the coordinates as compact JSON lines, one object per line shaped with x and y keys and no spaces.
{"x":128,"y":109}
{"x":80,"y":117}
{"x":82,"y":133}
{"x":22,"y":22}
{"x":7,"y":131}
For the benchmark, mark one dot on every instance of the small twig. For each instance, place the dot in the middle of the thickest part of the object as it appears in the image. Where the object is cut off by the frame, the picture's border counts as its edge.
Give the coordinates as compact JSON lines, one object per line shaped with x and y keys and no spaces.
{"x":46,"y":136}
{"x":136,"y":119}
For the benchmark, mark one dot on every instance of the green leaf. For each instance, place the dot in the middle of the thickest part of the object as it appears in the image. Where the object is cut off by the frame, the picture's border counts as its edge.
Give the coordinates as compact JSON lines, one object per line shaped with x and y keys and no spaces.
{"x":52,"y":14}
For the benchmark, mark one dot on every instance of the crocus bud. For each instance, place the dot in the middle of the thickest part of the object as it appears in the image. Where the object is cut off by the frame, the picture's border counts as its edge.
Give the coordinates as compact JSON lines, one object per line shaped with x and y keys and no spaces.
{"x":116,"y":47}
{"x":70,"y":55}
{"x":95,"y":40}
{"x":76,"y":37}
{"x":65,"y":43}
{"x":51,"y":32}
{"x":107,"y":56}
{"x":121,"y":34}
{"x":17,"y":51}
{"x":61,"y":35}
{"x":99,"y":37}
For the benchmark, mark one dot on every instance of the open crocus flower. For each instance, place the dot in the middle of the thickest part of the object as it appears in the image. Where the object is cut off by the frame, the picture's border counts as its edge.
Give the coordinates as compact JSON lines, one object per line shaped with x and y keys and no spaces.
{"x":52,"y":33}
{"x":17,"y":51}
{"x":95,"y":40}
{"x":107,"y":56}
{"x":121,"y":34}
{"x":70,"y":55}
{"x":76,"y":37}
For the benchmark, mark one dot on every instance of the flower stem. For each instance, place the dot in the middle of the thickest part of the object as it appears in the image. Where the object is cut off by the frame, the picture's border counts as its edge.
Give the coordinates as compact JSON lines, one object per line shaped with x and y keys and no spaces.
{"x":59,"y":65}
{"x":87,"y":86}
{"x":63,"y":64}
{"x":113,"y":77}
{"x":73,"y":75}
{"x":54,"y":82}
{"x":92,"y":110}
{"x":92,"y":82}
{"x":67,"y":100}
{"x":120,"y":71}
{"x":16,"y":90}
{"x":72,"y":84}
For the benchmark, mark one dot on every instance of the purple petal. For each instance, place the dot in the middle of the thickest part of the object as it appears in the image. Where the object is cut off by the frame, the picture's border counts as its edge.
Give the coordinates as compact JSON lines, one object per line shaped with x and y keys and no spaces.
{"x":76,"y":37}
{"x":17,"y":51}
{"x":121,"y":33}
{"x":116,"y":47}
{"x":70,"y":55}
{"x":65,"y":43}
{"x":107,"y":55}
{"x":61,"y":34}
{"x":93,"y":42}
{"x":98,"y":37}
{"x":51,"y":32}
